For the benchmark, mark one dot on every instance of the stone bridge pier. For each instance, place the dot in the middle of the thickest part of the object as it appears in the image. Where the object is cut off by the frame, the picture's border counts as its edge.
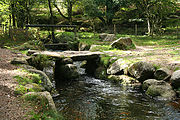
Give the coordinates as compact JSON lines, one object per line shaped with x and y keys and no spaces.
{"x":65,"y":70}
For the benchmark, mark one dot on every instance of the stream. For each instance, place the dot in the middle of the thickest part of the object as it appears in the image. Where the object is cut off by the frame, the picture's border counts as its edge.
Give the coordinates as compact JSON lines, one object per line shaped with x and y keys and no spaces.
{"x":93,"y":99}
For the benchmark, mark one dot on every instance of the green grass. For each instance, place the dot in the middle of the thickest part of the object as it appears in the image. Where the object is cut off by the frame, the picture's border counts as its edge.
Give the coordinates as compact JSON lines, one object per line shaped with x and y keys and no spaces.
{"x":150,"y":41}
{"x":41,"y":109}
{"x":29,"y":78}
{"x":175,"y":52}
{"x":166,"y":40}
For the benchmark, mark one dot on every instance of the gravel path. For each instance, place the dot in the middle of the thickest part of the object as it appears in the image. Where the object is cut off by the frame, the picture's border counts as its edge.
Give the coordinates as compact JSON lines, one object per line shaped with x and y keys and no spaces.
{"x":10,"y":106}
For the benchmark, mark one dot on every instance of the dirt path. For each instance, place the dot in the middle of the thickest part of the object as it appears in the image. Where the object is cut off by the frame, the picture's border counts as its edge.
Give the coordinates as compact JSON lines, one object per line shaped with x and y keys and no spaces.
{"x":162,"y":56}
{"x":10,"y":105}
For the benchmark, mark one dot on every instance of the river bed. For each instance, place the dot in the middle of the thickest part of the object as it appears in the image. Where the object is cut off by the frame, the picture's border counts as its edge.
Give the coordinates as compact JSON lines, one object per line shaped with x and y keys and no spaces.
{"x":93,"y":99}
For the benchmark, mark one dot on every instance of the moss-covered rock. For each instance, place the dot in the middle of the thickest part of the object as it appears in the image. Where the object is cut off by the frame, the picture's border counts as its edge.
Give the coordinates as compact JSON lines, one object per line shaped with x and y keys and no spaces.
{"x":162,"y":74}
{"x":16,"y":61}
{"x":142,"y":71}
{"x":46,"y":83}
{"x":101,"y":73}
{"x":175,"y":79}
{"x":119,"y":67}
{"x":150,"y":82}
{"x":43,"y":97}
{"x":162,"y":92}
{"x":123,"y":44}
{"x":124,"y":80}
{"x":39,"y":61}
{"x":33,"y":87}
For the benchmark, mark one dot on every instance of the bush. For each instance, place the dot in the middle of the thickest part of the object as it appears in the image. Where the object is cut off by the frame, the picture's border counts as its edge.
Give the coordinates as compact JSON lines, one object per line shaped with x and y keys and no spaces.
{"x":40,"y":62}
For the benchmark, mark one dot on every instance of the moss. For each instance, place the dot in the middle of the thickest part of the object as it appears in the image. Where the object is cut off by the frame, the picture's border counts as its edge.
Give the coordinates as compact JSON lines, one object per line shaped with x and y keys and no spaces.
{"x":104,"y":60}
{"x":28,"y":78}
{"x":41,"y":108}
{"x":20,"y":90}
{"x":156,"y":66}
{"x":152,"y":91}
{"x":40,"y":61}
{"x":101,"y":73}
{"x":101,"y":48}
{"x":23,"y":80}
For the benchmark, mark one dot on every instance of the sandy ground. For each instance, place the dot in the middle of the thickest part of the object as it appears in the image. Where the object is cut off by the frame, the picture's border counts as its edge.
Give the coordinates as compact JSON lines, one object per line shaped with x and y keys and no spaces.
{"x":10,"y":105}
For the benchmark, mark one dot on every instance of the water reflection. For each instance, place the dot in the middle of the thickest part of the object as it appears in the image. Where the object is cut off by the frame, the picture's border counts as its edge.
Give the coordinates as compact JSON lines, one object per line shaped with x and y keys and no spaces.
{"x":94,"y":99}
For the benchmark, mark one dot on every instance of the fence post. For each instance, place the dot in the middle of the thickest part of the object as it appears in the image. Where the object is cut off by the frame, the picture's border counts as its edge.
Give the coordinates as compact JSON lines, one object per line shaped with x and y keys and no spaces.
{"x":136,"y":29}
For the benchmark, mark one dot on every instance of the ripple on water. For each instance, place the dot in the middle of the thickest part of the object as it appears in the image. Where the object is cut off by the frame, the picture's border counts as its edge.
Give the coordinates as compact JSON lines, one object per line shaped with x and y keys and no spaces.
{"x":94,"y":99}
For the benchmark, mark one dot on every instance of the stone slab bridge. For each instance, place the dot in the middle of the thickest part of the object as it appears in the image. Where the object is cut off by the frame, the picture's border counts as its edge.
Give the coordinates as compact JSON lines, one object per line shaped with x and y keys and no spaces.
{"x":92,"y":59}
{"x":74,"y":55}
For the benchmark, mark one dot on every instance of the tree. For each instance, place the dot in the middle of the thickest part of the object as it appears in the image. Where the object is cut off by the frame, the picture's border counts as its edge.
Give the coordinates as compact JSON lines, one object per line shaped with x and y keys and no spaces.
{"x":105,"y":10}
{"x":68,"y":5}
{"x":52,"y":20}
{"x":155,"y":11}
{"x":18,"y":11}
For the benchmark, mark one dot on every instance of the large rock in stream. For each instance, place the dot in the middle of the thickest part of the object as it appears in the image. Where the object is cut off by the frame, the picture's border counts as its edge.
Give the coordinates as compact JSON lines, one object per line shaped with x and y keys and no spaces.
{"x":65,"y":72}
{"x":162,"y":74}
{"x":175,"y":79}
{"x":124,"y":80}
{"x":159,"y":89}
{"x":142,"y":70}
{"x":119,"y":67}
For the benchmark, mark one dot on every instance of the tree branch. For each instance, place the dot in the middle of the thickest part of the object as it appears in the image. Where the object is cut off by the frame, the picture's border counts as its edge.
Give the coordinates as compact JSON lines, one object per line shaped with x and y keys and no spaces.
{"x":60,"y":11}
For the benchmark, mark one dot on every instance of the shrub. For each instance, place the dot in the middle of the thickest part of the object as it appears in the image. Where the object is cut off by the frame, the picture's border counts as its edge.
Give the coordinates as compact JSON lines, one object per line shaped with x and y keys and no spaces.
{"x":40,"y":61}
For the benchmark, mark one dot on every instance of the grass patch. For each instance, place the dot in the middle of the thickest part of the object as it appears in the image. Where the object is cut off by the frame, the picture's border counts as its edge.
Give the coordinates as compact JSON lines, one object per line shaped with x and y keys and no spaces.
{"x":175,"y":52}
{"x":29,"y":78}
{"x":101,"y":48}
{"x":41,"y":110}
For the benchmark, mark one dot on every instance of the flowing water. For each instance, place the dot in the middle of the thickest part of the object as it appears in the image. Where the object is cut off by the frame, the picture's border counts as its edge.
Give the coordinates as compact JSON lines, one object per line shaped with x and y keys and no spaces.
{"x":93,"y":99}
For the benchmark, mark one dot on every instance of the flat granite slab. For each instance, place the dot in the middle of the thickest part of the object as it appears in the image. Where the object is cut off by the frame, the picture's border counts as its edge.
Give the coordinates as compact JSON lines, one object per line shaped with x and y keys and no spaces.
{"x":75,"y":55}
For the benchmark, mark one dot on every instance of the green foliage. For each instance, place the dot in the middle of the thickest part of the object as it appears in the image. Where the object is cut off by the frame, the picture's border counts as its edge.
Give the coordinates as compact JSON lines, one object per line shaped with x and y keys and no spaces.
{"x":33,"y":45}
{"x":103,"y":9}
{"x":156,"y":66}
{"x":46,"y":115}
{"x":28,"y":78}
{"x":155,"y":11}
{"x":101,"y":48}
{"x":65,"y":37}
{"x":40,"y":61}
{"x":41,"y":110}
{"x":20,"y":90}
{"x":105,"y":60}
{"x":23,"y":80}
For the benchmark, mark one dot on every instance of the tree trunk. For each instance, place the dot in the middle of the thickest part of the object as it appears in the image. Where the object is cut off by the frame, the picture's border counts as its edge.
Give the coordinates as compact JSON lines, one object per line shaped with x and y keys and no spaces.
{"x":148,"y":26}
{"x":13,"y":15}
{"x":70,"y":12}
{"x":52,"y":21}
